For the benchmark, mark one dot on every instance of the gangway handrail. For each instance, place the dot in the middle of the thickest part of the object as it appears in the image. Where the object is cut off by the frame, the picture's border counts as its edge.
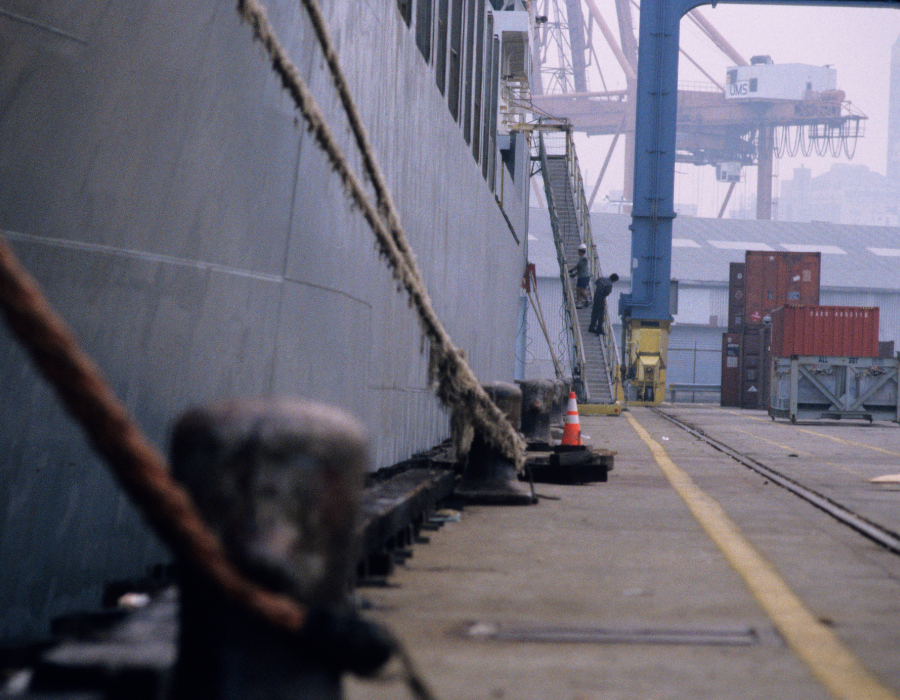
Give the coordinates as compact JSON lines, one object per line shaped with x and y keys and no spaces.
{"x":578,"y":359}
{"x":607,"y":342}
{"x":610,"y":350}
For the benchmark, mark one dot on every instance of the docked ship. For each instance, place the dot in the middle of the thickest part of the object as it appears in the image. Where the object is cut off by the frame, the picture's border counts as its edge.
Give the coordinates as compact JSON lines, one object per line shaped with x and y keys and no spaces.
{"x":162,"y":187}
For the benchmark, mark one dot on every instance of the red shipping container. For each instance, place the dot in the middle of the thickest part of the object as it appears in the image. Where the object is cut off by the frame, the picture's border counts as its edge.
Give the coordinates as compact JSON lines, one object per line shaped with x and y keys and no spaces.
{"x":731,"y":370}
{"x":736,"y":297}
{"x":754,"y":366}
{"x":777,"y":278}
{"x":829,"y":331}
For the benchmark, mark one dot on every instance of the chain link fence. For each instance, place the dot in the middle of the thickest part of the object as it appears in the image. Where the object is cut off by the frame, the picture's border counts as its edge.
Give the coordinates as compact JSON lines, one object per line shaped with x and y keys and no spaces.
{"x":694,"y":363}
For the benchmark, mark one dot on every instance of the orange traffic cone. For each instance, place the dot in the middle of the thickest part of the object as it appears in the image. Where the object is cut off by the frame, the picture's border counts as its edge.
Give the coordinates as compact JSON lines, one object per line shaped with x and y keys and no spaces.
{"x":572,"y":428}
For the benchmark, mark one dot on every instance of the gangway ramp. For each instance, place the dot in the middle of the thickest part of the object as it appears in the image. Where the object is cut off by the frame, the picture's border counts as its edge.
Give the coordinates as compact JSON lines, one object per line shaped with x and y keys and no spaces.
{"x":593,"y":358}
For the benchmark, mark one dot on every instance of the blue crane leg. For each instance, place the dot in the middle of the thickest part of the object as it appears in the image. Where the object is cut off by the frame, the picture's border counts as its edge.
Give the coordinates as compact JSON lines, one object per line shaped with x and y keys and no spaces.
{"x":654,"y":152}
{"x":654,"y":172}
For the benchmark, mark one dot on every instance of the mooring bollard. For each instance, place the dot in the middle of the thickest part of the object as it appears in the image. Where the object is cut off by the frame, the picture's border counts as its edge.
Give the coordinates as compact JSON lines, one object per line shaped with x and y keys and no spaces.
{"x":280,"y":483}
{"x":539,"y":397}
{"x":563,"y":389}
{"x":488,"y":476}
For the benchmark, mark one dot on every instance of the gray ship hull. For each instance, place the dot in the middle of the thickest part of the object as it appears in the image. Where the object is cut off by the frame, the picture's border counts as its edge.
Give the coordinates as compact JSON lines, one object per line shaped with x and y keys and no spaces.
{"x":157,"y":182}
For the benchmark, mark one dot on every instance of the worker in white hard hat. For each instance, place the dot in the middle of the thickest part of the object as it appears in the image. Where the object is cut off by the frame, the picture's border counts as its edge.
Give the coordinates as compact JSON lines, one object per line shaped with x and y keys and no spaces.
{"x":582,"y":274}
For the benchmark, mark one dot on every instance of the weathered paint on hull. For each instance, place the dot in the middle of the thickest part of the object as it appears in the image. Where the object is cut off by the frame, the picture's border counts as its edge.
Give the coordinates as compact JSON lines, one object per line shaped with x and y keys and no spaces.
{"x":156,"y":182}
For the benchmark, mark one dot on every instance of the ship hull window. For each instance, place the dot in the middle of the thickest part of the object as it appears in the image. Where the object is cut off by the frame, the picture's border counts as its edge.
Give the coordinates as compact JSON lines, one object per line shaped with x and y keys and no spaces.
{"x":479,"y":80}
{"x":455,"y":62}
{"x":423,"y":28}
{"x":467,"y":73}
{"x":490,"y":121}
{"x":440,"y":45}
{"x":405,"y":8}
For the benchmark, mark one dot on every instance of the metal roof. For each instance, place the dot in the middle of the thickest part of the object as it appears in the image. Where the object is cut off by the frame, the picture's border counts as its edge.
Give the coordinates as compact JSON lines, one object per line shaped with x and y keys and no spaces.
{"x":861,"y":257}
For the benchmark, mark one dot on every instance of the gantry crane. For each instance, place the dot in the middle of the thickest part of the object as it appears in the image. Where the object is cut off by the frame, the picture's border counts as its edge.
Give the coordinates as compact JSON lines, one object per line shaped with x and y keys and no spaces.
{"x":713,"y":128}
{"x":720,"y":126}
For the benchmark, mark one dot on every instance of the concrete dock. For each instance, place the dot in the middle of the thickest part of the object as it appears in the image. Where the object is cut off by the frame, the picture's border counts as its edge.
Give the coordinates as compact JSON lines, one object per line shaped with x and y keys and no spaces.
{"x":686,"y":575}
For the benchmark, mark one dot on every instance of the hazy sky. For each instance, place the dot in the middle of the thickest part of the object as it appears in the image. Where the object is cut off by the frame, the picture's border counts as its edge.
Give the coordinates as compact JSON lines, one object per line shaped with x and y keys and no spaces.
{"x":856,"y":42}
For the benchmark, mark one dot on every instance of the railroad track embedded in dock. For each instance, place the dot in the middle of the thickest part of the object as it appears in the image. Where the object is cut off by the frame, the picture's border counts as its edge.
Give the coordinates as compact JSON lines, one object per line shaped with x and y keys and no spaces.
{"x":885,"y":537}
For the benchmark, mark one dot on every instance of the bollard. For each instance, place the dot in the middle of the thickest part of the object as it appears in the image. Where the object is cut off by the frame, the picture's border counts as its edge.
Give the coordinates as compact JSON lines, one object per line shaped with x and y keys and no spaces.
{"x":280,"y":483}
{"x":488,"y":477}
{"x":563,"y":389}
{"x":539,"y":396}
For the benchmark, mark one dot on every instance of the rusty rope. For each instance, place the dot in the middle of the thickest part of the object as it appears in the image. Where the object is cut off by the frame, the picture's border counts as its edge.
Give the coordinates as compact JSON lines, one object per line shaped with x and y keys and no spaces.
{"x":140,"y":468}
{"x":138,"y":465}
{"x":456,"y":384}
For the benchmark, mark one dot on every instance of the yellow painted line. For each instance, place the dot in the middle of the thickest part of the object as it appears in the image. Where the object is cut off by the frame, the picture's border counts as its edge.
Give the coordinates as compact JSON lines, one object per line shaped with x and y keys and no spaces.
{"x":893,"y":453}
{"x":812,"y":432}
{"x":886,"y":479}
{"x":836,"y":668}
{"x":846,"y":469}
{"x":793,"y":450}
{"x":787,"y":448}
{"x":825,"y":435}
{"x":746,"y":417}
{"x":600,"y":409}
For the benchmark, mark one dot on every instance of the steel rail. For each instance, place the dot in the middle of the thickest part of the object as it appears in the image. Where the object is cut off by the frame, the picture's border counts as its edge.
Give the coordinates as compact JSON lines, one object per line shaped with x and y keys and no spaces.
{"x":880,"y":535}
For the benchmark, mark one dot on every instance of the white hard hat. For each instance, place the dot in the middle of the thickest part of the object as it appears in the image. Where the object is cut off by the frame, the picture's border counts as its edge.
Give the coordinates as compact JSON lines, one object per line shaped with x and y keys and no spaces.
{"x":582,"y":247}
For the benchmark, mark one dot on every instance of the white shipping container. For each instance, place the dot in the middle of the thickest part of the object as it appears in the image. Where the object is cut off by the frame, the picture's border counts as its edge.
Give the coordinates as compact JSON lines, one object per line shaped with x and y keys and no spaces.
{"x":787,"y":81}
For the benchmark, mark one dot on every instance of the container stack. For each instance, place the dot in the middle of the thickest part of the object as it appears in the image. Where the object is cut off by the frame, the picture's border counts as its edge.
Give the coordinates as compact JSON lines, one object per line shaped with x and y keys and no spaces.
{"x":764,"y":282}
{"x":826,"y":362}
{"x":787,"y":354}
{"x":832,"y":331}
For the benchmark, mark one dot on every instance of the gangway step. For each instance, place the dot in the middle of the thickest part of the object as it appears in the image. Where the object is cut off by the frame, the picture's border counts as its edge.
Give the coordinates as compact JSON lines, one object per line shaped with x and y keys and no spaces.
{"x":596,"y":371}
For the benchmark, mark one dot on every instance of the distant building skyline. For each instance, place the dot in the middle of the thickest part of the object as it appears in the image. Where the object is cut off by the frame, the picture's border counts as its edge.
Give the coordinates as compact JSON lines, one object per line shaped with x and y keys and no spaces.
{"x":846,"y":194}
{"x":893,"y":149}
{"x":851,"y":194}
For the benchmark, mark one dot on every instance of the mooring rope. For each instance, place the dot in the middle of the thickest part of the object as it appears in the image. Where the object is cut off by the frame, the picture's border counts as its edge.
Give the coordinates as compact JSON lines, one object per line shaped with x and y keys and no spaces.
{"x":373,"y":171}
{"x":539,"y":315}
{"x":455,"y":383}
{"x":139,"y":466}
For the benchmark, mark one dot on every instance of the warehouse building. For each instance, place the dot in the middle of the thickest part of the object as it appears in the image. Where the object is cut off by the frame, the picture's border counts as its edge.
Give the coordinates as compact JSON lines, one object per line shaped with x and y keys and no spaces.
{"x":860,"y":266}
